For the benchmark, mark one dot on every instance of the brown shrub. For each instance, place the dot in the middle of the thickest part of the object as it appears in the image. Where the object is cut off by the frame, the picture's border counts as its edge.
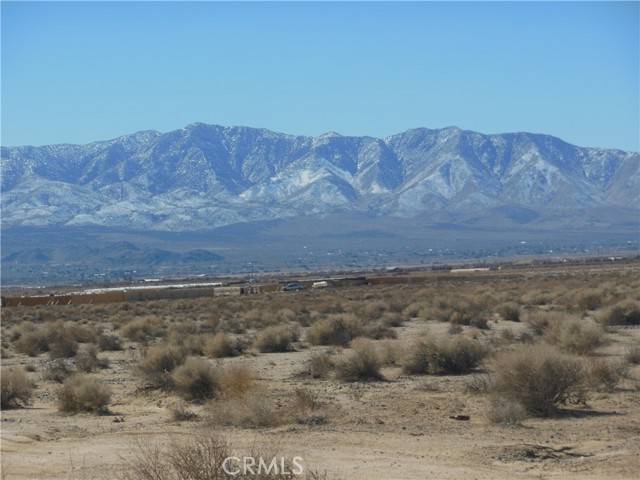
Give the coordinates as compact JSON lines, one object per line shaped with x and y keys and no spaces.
{"x":509,"y":311}
{"x":623,"y":313}
{"x":504,"y":411}
{"x":276,"y":339}
{"x":589,"y":300}
{"x":605,"y":375}
{"x":196,"y":379}
{"x":222,"y":345}
{"x":539,"y":377}
{"x":87,"y":359}
{"x":459,"y":311}
{"x":109,"y":343}
{"x":254,"y":410}
{"x":143,"y":329}
{"x":82,"y":393}
{"x":158,"y":364}
{"x":337,"y":329}
{"x":236,"y":380}
{"x":202,"y":457}
{"x":574,"y":335}
{"x":16,"y":388}
{"x":56,"y":371}
{"x":361,"y":363}
{"x":632,"y":355}
{"x":443,"y":356}
{"x":180,"y":412}
{"x":320,"y":365}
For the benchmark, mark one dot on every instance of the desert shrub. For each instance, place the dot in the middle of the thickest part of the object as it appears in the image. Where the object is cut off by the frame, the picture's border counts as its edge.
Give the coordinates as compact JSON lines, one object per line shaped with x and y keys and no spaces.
{"x":455,"y":329}
{"x":504,"y":411}
{"x":539,"y":377}
{"x":81,"y":333}
{"x":32,"y":343}
{"x":361,"y":363}
{"x":539,"y":321}
{"x":109,"y":343}
{"x":589,"y":300}
{"x":180,"y":412}
{"x":443,"y":356}
{"x":236,"y":381}
{"x":374,"y":310}
{"x":320,"y":365}
{"x":377,"y":331}
{"x":201,"y":458}
{"x":574,"y":335}
{"x":338,"y":329}
{"x":509,"y":311}
{"x":56,"y":370}
{"x":82,"y":393}
{"x":15,"y":388}
{"x":158,"y":364}
{"x":632,"y":355}
{"x":276,"y":339}
{"x":390,"y":352}
{"x":87,"y":359}
{"x":459,"y":311}
{"x":254,"y":410}
{"x":196,"y":379}
{"x":623,"y":313}
{"x":143,"y":329}
{"x":605,"y":375}
{"x":222,"y":345}
{"x":391,"y":319}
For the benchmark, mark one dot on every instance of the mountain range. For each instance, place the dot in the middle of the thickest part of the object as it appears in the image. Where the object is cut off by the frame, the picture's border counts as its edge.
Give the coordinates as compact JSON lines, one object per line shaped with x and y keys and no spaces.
{"x":207,"y":176}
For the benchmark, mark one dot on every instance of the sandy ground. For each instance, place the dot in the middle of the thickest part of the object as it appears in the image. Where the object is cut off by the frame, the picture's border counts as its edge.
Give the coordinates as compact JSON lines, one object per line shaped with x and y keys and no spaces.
{"x":397,"y":429}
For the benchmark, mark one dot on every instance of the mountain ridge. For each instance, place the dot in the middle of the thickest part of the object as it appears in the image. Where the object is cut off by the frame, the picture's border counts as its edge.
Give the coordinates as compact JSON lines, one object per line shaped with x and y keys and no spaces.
{"x":206,"y":176}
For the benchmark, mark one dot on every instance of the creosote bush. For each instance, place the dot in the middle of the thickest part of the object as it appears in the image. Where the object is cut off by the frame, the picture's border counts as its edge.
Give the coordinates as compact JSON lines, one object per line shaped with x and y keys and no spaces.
{"x":623,"y":313}
{"x":158,"y":364}
{"x":574,"y":335}
{"x":15,"y":388}
{"x":276,"y":339}
{"x":360,"y":363}
{"x":222,"y":345}
{"x":336,"y":329}
{"x":196,"y":379}
{"x":539,"y":377}
{"x":82,"y":393}
{"x":443,"y":356}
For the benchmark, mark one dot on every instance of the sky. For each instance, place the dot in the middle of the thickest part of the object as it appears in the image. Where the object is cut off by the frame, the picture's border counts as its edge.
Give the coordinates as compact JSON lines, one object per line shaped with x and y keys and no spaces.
{"x":80,"y":72}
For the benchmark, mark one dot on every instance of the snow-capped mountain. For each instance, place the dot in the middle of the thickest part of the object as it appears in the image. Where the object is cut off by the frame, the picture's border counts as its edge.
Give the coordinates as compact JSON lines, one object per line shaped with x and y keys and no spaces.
{"x":205,"y":176}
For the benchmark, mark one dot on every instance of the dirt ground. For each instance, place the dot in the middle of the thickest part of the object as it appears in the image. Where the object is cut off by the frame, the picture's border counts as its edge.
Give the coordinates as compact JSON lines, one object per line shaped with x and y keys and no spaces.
{"x":405,"y":427}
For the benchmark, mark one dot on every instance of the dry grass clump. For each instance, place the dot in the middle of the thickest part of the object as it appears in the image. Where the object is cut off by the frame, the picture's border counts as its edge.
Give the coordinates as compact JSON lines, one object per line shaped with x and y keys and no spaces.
{"x":361,"y":363}
{"x":460,"y":311}
{"x":143,"y":329}
{"x":57,"y":338}
{"x":590,"y":299}
{"x":337,"y":329}
{"x":320,"y":365}
{"x":82,"y":393}
{"x":109,"y":343}
{"x":222,"y":345}
{"x":180,"y":412}
{"x":605,"y":375}
{"x":623,"y":313}
{"x":505,"y":411}
{"x":573,"y":335}
{"x":56,"y":370}
{"x":196,"y":379}
{"x":442,"y":356}
{"x":236,"y":381}
{"x":202,"y":457}
{"x":253,"y":410}
{"x":539,"y":377}
{"x":158,"y":364}
{"x":16,"y":388}
{"x":87,"y":359}
{"x":509,"y":311}
{"x":277,"y":339}
{"x":632,"y":355}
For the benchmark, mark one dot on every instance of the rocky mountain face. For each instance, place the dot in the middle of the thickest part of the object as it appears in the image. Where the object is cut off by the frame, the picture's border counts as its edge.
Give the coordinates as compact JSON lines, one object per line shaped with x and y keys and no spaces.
{"x":206,"y":176}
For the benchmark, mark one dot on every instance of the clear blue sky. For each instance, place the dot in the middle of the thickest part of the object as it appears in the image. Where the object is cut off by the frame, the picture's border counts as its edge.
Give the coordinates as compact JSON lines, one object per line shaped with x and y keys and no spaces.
{"x":77,"y":72}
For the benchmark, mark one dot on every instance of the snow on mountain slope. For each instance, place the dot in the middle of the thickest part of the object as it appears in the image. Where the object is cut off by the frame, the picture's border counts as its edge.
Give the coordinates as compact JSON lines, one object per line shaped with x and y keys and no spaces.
{"x":205,"y":176}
